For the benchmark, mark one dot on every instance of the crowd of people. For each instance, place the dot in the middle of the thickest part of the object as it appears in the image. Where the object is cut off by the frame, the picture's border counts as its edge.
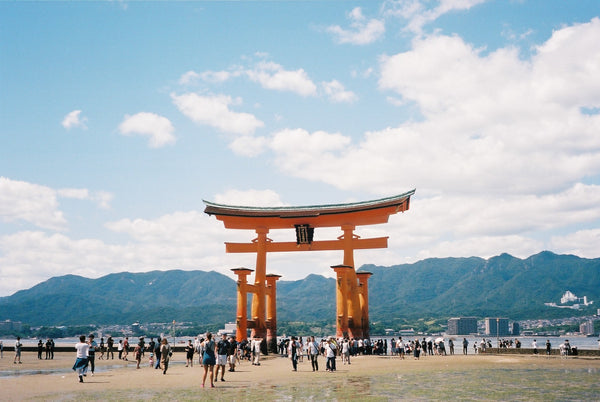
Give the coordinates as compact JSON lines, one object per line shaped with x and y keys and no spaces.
{"x":217,"y":355}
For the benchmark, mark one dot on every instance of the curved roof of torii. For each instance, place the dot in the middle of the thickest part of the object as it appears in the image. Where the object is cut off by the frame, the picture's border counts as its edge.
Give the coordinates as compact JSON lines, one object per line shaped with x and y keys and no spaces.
{"x":331,"y":215}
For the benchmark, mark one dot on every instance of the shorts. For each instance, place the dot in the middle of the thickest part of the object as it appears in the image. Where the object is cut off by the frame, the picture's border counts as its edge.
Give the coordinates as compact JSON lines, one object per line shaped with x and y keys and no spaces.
{"x":221,"y":360}
{"x":231,"y":359}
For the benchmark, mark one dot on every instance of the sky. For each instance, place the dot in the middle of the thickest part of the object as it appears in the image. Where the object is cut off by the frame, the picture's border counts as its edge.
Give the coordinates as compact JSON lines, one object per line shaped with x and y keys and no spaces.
{"x":118,"y":118}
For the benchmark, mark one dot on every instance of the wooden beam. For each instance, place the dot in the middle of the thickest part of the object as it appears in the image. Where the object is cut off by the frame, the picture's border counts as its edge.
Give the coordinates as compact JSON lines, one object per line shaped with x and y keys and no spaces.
{"x":322,"y":245}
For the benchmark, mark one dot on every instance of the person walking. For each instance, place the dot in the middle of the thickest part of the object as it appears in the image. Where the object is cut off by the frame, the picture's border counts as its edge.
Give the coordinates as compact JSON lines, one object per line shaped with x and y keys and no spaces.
{"x":165,"y":354}
{"x":189,"y":354}
{"x":313,"y":353}
{"x":81,"y":360}
{"x":208,"y":359}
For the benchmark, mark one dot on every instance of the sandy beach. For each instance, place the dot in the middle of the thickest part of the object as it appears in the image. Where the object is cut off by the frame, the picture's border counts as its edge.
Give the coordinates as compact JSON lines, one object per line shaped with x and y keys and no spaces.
{"x":367,"y":378}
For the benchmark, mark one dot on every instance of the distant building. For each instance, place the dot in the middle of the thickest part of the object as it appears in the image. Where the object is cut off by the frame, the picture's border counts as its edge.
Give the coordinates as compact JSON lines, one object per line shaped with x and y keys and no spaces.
{"x":587,"y":327}
{"x":496,"y":326}
{"x":516,"y":329}
{"x":8,"y":326}
{"x":462,"y":326}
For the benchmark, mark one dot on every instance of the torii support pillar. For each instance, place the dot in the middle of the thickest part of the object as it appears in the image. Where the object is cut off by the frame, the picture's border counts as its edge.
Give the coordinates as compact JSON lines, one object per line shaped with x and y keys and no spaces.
{"x":349,"y":309}
{"x":243,"y":288}
{"x":272,"y":312}
{"x":363,"y":285}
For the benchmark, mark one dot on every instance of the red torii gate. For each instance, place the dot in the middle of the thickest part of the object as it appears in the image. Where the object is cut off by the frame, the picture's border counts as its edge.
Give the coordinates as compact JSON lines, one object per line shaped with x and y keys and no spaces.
{"x":352,"y":297}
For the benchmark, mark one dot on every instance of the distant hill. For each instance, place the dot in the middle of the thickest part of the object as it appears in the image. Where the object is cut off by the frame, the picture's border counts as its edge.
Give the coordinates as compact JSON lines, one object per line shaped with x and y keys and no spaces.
{"x":438,"y":287}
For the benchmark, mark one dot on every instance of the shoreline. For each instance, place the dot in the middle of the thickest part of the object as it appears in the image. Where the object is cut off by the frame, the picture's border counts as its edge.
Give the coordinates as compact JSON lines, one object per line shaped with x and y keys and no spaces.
{"x":118,"y":380}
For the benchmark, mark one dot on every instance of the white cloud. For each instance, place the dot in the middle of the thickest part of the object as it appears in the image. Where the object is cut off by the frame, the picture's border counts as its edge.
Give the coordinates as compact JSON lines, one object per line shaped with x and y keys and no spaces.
{"x":74,"y":119}
{"x":337,"y":93}
{"x":361,"y":32}
{"x":273,"y":76}
{"x":189,"y":77}
{"x":581,"y":243}
{"x":250,"y":198}
{"x":157,"y":128}
{"x":418,"y":13}
{"x":314,"y":154}
{"x":32,"y":203}
{"x":214,"y":111}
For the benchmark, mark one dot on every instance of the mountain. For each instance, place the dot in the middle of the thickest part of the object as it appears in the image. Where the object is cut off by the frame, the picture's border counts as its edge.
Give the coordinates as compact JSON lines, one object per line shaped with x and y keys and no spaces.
{"x":436,"y":287}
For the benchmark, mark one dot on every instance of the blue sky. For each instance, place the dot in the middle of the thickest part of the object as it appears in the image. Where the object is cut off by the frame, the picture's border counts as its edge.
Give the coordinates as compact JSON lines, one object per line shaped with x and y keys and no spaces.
{"x":118,"y":118}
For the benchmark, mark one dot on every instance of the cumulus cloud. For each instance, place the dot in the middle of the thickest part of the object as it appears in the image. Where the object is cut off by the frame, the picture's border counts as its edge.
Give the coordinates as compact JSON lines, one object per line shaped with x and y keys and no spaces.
{"x":273,"y":76}
{"x":158,"y":129}
{"x":269,"y":75}
{"x":32,"y":203}
{"x":38,"y":205}
{"x":337,"y":93}
{"x":215,"y":111}
{"x":419,"y":13}
{"x":362,"y":31}
{"x":489,"y":123}
{"x":74,"y":119}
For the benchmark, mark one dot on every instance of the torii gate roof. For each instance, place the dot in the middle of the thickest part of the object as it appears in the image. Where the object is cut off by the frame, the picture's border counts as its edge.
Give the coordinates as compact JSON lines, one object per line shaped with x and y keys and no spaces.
{"x":331,"y":215}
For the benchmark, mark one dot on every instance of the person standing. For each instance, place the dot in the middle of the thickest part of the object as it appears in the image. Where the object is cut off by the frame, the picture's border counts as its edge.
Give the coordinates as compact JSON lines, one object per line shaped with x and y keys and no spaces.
{"x":232,"y":353}
{"x":137,"y":354}
{"x":400,"y":347}
{"x":465,"y":346}
{"x":125,"y":348}
{"x":346,"y":351}
{"x":293,"y":352}
{"x":102,"y":349}
{"x":2,"y":350}
{"x":81,"y":361}
{"x":534,"y":346}
{"x":109,"y":348}
{"x":157,"y":354}
{"x":313,"y":353}
{"x":208,"y":359}
{"x":18,"y":346}
{"x":330,"y":350}
{"x":256,"y":342}
{"x":120,"y":349}
{"x":92,"y":353}
{"x":548,"y":347}
{"x":222,"y":350}
{"x":451,"y":346}
{"x":40,"y":348}
{"x":165,"y":354}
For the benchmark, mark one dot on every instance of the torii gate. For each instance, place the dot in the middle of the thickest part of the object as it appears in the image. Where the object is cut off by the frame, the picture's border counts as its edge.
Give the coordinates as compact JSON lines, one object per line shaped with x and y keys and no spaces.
{"x":352,"y":296}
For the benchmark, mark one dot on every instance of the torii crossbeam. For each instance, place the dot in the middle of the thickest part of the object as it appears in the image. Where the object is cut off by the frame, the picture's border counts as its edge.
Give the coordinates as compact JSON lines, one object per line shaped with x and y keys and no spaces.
{"x":352,"y":290}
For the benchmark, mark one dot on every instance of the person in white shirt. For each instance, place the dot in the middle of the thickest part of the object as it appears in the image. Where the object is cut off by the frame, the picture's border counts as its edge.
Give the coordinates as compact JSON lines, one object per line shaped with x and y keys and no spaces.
{"x":81,"y":362}
{"x":330,"y":350}
{"x":346,"y":351}
{"x":313,"y":353}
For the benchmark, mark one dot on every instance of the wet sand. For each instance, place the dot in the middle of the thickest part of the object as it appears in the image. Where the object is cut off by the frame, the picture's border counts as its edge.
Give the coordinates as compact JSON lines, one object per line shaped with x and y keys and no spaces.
{"x":115,"y":379}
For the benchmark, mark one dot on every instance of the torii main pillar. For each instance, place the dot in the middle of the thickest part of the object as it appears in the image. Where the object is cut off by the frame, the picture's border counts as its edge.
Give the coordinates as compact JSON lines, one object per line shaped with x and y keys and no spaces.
{"x":352,"y":289}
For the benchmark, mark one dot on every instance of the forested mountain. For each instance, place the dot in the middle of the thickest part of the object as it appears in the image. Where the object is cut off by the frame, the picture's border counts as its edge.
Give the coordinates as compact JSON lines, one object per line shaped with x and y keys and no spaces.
{"x":438,"y":287}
